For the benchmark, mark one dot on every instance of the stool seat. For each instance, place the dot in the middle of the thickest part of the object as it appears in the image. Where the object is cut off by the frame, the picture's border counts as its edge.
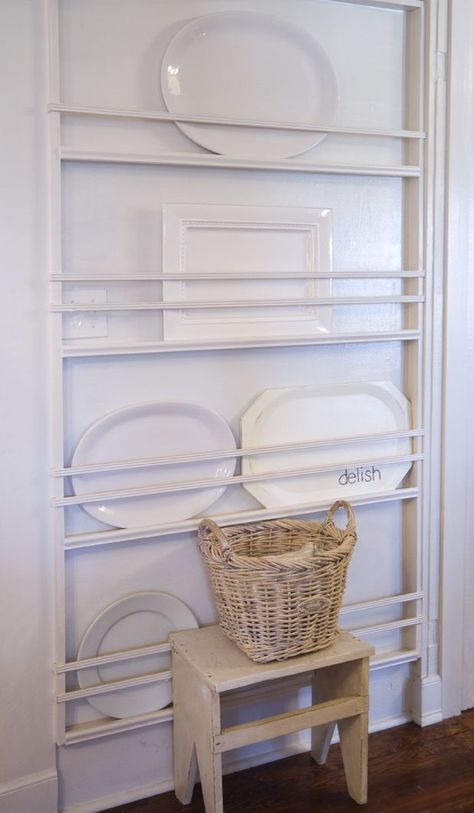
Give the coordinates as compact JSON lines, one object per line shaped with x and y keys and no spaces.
{"x":207,"y":664}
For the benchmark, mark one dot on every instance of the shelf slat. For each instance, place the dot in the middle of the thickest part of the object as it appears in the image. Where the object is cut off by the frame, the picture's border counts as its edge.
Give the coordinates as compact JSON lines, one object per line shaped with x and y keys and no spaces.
{"x":114,"y":686}
{"x":85,"y":307}
{"x":89,"y":539}
{"x":83,"y":732}
{"x":83,"y":349}
{"x":218,"y":161}
{"x":67,"y":278}
{"x":126,"y":465}
{"x":237,"y":479}
{"x":159,"y":115}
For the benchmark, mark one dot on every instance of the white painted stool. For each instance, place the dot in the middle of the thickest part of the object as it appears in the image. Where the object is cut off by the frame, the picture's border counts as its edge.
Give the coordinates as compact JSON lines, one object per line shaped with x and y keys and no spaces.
{"x":206,"y":664}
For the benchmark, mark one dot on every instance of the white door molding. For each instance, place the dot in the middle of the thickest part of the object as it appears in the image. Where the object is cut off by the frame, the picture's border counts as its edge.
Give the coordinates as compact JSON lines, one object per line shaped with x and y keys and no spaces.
{"x":457,"y":566}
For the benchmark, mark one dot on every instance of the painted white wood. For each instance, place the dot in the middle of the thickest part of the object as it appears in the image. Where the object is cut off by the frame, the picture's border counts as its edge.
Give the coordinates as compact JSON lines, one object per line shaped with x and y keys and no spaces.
{"x":207,"y":664}
{"x":413,"y":328}
{"x":80,"y":350}
{"x":138,"y":277}
{"x":35,"y":793}
{"x":116,"y":685}
{"x":223,"y":303}
{"x":220,"y":162}
{"x":193,"y":485}
{"x":319,"y":714}
{"x":85,"y":732}
{"x":189,"y":458}
{"x":223,"y":667}
{"x":154,"y":116}
{"x":91,"y":539}
{"x":457,"y":561}
{"x":116,"y":657}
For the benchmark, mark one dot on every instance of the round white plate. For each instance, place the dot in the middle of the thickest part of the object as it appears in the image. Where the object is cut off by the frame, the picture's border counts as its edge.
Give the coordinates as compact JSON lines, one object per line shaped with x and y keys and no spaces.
{"x":156,"y":429}
{"x":238,"y":64}
{"x":141,"y":619}
{"x":302,"y":414}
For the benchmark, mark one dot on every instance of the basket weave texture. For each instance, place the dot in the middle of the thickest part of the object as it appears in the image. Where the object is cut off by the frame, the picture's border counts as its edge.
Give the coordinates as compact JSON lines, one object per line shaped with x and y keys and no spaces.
{"x":278,"y":585}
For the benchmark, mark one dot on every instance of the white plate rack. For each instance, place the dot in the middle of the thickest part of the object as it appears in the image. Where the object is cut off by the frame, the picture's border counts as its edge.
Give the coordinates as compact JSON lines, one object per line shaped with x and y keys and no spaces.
{"x":416,"y":174}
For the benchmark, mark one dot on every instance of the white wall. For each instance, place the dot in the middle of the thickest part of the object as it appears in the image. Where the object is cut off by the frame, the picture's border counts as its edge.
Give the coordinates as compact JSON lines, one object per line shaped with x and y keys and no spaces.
{"x":27,"y":759}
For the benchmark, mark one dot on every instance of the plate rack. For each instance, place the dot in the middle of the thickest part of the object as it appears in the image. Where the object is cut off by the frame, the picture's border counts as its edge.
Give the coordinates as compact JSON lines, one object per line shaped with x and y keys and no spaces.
{"x":414,"y":335}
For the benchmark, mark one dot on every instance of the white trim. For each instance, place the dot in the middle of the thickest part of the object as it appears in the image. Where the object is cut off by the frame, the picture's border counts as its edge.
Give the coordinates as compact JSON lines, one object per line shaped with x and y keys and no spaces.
{"x":121,"y":798}
{"x":426,"y":700}
{"x":456,"y":403}
{"x":35,"y":793}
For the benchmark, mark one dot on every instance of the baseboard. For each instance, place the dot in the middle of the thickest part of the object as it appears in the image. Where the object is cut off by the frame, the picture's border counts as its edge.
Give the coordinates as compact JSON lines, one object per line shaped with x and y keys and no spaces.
{"x":426,"y":700}
{"x":34,"y":793}
{"x":121,"y":798}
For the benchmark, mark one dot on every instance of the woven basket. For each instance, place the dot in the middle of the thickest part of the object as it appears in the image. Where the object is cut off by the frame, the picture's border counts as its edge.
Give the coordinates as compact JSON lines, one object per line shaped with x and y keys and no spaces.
{"x":278,"y":585}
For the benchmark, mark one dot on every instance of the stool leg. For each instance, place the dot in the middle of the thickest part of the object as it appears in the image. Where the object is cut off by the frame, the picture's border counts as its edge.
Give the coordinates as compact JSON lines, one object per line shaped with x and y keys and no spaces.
{"x":207,"y":724}
{"x":185,"y":763}
{"x":196,"y":722}
{"x":321,"y":737}
{"x":185,"y":768}
{"x":354,"y":747}
{"x":210,"y":771}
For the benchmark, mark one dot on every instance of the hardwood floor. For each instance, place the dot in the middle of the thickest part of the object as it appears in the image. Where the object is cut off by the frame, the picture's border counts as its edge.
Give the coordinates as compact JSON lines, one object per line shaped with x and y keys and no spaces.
{"x":411,"y":770}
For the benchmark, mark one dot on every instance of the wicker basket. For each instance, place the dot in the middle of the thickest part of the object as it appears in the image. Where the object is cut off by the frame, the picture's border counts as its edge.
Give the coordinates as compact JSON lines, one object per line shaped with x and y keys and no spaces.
{"x":278,"y":585}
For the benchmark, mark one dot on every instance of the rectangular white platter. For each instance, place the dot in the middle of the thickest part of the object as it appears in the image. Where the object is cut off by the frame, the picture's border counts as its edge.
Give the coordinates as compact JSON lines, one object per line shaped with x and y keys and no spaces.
{"x":215,"y":239}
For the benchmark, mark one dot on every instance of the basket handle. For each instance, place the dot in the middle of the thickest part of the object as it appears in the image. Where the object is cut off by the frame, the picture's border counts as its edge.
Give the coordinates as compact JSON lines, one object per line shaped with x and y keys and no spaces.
{"x":350,"y":527}
{"x":207,"y":528}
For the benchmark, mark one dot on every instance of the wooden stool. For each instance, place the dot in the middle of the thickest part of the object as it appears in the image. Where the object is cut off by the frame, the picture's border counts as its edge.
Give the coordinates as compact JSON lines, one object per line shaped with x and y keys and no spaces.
{"x":206,"y":664}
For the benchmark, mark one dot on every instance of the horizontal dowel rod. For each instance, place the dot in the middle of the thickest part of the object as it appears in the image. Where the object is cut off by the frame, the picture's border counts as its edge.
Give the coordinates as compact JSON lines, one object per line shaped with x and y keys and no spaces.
{"x":228,"y":304}
{"x":90,"y":539}
{"x":85,"y":732}
{"x":361,"y":606}
{"x":195,"y":485}
{"x":220,"y":121}
{"x":218,"y":161}
{"x":113,"y":686}
{"x":115,"y":657}
{"x":200,"y":457}
{"x":390,"y":625}
{"x":78,"y":350}
{"x":66,"y":278}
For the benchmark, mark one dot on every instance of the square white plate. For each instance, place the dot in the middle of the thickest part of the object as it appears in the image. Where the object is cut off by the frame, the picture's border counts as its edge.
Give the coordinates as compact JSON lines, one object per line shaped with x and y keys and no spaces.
{"x":273,"y":240}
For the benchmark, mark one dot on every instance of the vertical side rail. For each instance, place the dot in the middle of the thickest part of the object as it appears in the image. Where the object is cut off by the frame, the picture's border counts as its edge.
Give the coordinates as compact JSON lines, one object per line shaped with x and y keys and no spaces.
{"x":56,"y":363}
{"x":426,"y":692}
{"x":414,"y":255}
{"x":430,"y":688}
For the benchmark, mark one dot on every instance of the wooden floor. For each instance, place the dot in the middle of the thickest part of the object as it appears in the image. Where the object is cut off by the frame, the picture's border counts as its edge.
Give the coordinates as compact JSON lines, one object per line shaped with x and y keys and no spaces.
{"x":411,"y":770}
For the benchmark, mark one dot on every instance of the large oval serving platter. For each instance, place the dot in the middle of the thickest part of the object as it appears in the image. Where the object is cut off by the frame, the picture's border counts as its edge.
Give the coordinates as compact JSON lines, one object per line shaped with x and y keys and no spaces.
{"x":327,"y":412}
{"x":153,"y":430}
{"x":246,"y":65}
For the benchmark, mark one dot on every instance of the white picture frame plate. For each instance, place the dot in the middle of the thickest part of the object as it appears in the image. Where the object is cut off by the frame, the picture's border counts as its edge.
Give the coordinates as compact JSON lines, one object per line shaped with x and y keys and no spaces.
{"x":207,"y":238}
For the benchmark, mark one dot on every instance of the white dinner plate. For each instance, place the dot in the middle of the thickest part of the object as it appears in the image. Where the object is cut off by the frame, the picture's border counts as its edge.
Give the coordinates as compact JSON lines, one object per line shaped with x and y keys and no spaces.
{"x":246,"y":65}
{"x":141,"y":619}
{"x":144,"y":431}
{"x":303,"y":414}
